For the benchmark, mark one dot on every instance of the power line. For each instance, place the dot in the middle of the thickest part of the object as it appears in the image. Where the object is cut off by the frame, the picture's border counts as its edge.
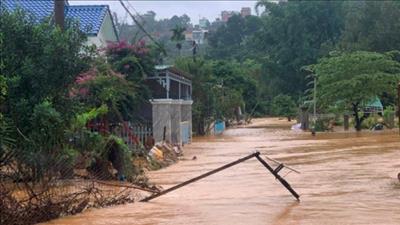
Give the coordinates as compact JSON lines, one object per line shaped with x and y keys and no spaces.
{"x":142,"y":28}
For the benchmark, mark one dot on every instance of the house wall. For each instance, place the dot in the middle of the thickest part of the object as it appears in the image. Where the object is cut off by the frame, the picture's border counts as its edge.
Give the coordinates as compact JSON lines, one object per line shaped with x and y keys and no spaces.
{"x":105,"y":34}
{"x":174,"y":115}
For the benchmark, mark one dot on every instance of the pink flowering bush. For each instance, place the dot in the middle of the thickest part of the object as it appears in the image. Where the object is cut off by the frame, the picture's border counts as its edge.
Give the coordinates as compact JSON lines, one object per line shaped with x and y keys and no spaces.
{"x":124,"y":48}
{"x":85,"y":82}
{"x":117,"y":80}
{"x":132,"y":60}
{"x":86,"y":76}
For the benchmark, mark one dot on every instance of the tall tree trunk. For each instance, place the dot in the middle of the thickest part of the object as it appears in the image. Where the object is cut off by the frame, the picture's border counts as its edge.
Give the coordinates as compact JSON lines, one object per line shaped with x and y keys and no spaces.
{"x":357,"y":119}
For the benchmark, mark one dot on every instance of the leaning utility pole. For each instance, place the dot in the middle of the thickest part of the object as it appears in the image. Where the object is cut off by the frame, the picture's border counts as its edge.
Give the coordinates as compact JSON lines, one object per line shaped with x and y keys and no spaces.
{"x":315,"y":98}
{"x":59,"y":17}
{"x":273,"y":171}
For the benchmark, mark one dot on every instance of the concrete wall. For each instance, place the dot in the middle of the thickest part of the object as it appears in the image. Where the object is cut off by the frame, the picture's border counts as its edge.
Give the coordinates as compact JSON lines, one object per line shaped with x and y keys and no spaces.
{"x":186,"y":115}
{"x":170,"y":113}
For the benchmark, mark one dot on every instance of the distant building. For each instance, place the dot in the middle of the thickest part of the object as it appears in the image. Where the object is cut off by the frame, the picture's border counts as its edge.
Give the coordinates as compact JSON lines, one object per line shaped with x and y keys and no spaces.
{"x":189,"y":35}
{"x":373,"y":106}
{"x":95,"y":20}
{"x":199,"y":36}
{"x":150,"y":15}
{"x":246,"y":11}
{"x":147,"y":17}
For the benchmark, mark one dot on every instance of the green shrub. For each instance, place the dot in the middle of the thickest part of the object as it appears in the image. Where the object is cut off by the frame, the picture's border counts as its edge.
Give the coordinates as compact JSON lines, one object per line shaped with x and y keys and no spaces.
{"x":283,"y":105}
{"x":388,"y":115}
{"x":322,"y":124}
{"x":339,"y":120}
{"x":371,"y":121}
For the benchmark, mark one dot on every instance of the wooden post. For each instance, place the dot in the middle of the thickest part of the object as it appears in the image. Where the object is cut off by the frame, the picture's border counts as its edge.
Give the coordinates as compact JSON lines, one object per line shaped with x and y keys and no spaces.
{"x":59,"y":17}
{"x":304,"y":118}
{"x":346,"y":118}
{"x":398,"y":104}
{"x":389,"y":119}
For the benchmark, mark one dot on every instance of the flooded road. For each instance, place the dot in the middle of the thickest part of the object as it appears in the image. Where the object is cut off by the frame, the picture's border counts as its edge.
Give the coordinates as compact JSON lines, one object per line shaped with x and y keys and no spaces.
{"x":346,"y":178}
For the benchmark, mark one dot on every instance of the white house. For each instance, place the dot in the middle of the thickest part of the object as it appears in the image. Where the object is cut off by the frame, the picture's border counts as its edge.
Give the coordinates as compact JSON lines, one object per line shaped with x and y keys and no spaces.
{"x":95,"y":20}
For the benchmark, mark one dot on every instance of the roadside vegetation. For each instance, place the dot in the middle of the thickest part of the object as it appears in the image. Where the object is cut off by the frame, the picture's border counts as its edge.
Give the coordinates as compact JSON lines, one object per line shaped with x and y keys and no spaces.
{"x":275,"y":53}
{"x":350,"y":47}
{"x":53,"y":88}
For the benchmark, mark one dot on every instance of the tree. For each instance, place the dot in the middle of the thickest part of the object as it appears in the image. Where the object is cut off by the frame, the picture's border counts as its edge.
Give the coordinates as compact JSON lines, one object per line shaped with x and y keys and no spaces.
{"x":204,"y":103}
{"x":6,"y":142}
{"x":38,"y":64}
{"x":229,"y":85}
{"x":101,"y":86}
{"x":294,"y":34}
{"x":228,"y":41}
{"x":371,"y":26}
{"x":353,"y":79}
{"x":135,"y":63}
{"x":178,"y":36}
{"x":237,"y":81}
{"x":283,"y":105}
{"x":49,"y":80}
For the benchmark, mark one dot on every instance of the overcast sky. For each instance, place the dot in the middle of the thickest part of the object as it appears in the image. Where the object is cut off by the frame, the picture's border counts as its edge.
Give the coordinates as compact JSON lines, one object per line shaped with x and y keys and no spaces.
{"x":167,"y":9}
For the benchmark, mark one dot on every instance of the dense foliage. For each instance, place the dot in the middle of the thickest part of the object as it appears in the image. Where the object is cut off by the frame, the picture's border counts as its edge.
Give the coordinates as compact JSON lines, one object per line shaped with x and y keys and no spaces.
{"x":39,"y":64}
{"x":283,"y":105}
{"x":289,"y":35}
{"x":52,"y":86}
{"x":274,"y":47}
{"x":228,"y":41}
{"x":229,"y":85}
{"x":351,"y":80}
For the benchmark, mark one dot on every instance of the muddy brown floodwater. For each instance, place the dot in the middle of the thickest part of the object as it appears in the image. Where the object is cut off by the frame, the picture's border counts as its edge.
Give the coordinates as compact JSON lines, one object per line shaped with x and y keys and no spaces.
{"x":346,"y":178}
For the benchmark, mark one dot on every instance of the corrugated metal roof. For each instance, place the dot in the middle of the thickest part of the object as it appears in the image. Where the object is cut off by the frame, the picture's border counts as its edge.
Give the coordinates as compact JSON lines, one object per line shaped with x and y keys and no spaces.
{"x":375,"y":102}
{"x":90,"y":17}
{"x":174,"y":70}
{"x":41,"y":9}
{"x":162,"y":67}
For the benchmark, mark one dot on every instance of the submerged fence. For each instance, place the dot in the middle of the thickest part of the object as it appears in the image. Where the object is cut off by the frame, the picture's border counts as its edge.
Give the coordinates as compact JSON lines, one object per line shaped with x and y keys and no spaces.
{"x":136,"y":135}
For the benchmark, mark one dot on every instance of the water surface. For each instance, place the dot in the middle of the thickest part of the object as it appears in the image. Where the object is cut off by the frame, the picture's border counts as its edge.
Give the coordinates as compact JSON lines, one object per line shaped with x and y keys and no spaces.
{"x":346,"y":178}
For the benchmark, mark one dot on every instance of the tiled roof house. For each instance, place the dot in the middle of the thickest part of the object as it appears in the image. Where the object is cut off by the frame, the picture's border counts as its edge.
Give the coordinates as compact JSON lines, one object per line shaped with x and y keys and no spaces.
{"x":95,"y":20}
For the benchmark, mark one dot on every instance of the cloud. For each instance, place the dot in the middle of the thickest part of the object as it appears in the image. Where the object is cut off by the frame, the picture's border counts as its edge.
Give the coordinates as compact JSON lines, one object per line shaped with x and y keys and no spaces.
{"x":167,"y":9}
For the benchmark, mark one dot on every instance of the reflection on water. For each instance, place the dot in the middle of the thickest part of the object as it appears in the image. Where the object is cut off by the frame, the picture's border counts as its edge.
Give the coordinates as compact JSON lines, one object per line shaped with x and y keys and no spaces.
{"x":346,"y":178}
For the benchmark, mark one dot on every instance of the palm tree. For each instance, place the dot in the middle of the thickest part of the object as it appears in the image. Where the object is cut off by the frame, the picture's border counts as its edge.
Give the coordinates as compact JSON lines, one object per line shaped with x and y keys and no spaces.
{"x":178,"y":36}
